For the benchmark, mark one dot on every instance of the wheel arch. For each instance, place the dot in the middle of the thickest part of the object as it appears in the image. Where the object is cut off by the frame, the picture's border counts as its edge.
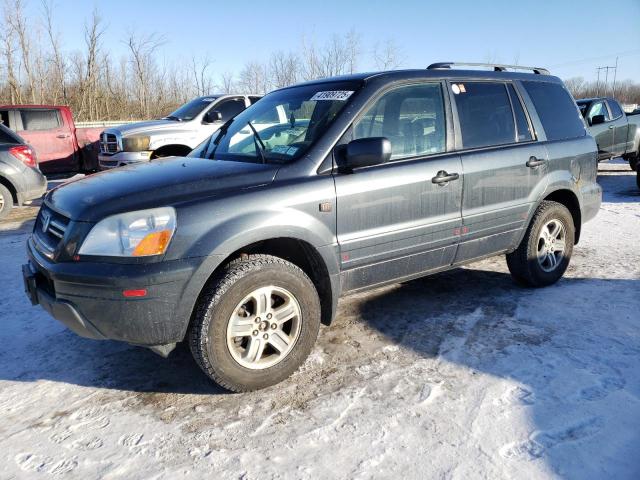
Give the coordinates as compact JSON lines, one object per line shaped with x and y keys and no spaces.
{"x":570,"y":200}
{"x":173,"y":149}
{"x":12,"y":189}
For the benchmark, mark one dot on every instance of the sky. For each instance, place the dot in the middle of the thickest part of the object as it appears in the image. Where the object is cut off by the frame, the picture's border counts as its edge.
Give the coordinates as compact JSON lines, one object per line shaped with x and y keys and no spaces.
{"x":559,"y":35}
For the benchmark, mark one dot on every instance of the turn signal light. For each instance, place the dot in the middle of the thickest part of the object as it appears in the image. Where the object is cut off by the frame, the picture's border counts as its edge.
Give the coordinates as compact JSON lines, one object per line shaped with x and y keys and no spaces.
{"x":153,"y":244}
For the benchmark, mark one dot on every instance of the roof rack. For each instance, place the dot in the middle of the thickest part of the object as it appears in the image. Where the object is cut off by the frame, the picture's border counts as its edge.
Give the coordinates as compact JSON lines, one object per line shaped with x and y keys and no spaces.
{"x":496,"y":67}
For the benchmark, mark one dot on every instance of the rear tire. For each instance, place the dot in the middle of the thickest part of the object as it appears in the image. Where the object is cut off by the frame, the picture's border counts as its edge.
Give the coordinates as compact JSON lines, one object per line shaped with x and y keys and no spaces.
{"x":6,"y":201}
{"x":238,"y":335}
{"x":638,"y":178}
{"x":633,"y":162}
{"x":545,"y":251}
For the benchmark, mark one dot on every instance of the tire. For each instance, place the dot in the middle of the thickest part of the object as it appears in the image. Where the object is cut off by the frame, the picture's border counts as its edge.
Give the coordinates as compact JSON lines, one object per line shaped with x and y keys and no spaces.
{"x":638,"y":178}
{"x":6,"y":201}
{"x":633,"y":162}
{"x":531,"y":264}
{"x":226,"y":358}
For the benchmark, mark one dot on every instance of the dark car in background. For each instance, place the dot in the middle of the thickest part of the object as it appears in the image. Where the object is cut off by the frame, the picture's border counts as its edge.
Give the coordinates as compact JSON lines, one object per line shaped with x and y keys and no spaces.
{"x":20,"y":177}
{"x":244,"y":248}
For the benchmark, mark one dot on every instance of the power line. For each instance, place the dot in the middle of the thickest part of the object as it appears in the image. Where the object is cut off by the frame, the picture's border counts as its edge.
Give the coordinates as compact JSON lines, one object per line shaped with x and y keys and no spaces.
{"x":594,"y":59}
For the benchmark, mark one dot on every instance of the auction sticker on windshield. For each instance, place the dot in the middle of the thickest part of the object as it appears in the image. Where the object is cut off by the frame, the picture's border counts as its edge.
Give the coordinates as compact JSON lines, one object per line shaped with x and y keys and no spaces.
{"x":340,"y":95}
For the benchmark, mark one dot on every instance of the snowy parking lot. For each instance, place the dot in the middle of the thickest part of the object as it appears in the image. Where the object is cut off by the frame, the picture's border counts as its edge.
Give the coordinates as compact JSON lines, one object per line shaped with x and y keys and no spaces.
{"x":459,"y":375}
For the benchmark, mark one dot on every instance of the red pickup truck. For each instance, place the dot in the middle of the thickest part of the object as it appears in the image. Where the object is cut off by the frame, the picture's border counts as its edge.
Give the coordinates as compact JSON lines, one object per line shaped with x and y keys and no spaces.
{"x":52,"y":133}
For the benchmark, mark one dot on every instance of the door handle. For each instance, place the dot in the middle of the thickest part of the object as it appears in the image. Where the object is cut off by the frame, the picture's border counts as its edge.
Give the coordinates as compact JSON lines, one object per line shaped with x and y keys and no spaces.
{"x":63,"y":135}
{"x":535,"y":162}
{"x":442,"y":177}
{"x":610,"y":127}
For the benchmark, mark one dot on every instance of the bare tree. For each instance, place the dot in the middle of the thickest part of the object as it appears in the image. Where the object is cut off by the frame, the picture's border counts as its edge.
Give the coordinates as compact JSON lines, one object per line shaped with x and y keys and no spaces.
{"x":227,"y":82}
{"x":15,"y":17}
{"x":284,"y":69}
{"x":253,"y":78}
{"x":142,"y":50}
{"x":8,"y":51}
{"x":203,"y":82}
{"x":388,"y":56}
{"x":57,"y":57}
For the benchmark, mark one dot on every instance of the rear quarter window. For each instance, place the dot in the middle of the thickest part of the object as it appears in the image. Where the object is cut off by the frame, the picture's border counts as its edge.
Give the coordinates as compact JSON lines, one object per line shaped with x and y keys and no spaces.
{"x":616,"y":111}
{"x":558,"y":112}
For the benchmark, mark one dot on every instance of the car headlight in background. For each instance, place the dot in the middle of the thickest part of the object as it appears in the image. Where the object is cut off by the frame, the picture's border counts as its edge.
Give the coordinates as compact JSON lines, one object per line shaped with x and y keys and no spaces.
{"x":135,"y":144}
{"x":133,"y":234}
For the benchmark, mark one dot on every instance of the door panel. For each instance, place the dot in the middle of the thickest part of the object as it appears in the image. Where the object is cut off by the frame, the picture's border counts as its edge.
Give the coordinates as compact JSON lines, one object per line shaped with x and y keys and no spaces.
{"x":603,"y":133}
{"x":53,"y":143}
{"x":393,"y":221}
{"x":499,"y":192}
{"x":620,"y":136}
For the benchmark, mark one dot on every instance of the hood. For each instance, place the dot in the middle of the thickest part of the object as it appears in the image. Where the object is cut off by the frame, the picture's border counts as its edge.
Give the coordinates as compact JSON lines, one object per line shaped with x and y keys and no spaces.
{"x":157,"y":183}
{"x":148,"y":127}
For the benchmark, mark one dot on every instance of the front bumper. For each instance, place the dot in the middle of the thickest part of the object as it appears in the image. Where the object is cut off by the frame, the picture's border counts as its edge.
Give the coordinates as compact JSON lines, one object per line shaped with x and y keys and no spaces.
{"x":88,"y":297}
{"x":119,"y":159}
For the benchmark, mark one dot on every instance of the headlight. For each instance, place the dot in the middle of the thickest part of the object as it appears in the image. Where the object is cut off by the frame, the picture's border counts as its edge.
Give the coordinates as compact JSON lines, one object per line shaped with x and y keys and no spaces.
{"x":133,"y":234}
{"x":135,"y":144}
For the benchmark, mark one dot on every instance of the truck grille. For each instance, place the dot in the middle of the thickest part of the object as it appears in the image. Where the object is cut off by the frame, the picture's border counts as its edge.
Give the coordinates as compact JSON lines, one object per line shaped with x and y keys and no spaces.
{"x":49,"y":230}
{"x":109,"y":143}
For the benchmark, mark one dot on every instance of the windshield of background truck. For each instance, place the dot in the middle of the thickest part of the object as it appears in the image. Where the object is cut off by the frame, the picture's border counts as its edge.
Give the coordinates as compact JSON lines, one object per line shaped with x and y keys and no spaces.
{"x":190,"y":110}
{"x":282,"y":126}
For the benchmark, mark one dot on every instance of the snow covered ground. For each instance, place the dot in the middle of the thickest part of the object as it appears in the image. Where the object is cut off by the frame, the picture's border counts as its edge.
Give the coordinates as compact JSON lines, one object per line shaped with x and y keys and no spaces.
{"x":460,"y":375}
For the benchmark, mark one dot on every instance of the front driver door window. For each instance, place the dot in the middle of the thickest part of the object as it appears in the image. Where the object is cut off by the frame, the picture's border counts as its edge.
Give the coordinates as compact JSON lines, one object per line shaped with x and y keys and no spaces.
{"x":392,"y":219}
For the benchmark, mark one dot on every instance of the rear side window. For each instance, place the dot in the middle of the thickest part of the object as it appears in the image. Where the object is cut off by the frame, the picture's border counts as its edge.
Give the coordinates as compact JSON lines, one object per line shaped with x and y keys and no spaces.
{"x":230,"y":108}
{"x":616,"y":111}
{"x":485,"y":114}
{"x":6,"y":137}
{"x":524,"y":130}
{"x":557,"y":111}
{"x":39,"y":119}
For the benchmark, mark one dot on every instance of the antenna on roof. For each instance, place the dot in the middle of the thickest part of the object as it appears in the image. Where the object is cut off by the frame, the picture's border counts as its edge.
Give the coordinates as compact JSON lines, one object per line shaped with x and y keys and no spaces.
{"x":495,"y":66}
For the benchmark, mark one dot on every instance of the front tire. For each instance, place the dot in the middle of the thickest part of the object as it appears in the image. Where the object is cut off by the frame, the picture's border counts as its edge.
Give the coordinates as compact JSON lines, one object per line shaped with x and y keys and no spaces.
{"x":6,"y":201}
{"x":633,"y":162}
{"x":545,"y":251}
{"x":255,"y":323}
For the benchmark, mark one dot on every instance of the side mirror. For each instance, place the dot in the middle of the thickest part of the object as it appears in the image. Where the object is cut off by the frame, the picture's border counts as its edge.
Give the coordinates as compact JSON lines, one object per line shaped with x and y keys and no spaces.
{"x":366,"y":152}
{"x":597,"y":119}
{"x":212,"y":116}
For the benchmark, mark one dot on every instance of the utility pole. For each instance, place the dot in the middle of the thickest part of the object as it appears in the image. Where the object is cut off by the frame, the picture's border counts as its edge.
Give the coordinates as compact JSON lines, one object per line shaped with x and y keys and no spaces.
{"x":615,"y":74}
{"x":606,"y":77}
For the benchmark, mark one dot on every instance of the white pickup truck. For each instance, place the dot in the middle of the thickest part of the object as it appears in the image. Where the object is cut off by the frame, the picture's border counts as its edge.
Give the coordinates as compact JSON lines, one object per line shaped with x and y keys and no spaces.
{"x":174,"y":135}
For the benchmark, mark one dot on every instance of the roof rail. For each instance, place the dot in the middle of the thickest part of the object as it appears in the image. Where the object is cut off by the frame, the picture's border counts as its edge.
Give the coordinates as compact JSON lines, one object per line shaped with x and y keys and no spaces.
{"x":496,"y":67}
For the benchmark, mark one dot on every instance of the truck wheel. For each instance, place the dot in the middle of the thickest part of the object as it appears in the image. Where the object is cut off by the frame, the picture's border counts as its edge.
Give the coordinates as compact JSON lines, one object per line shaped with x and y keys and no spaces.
{"x":6,"y":201}
{"x":255,"y":323}
{"x":633,"y":162}
{"x":638,"y":178}
{"x":544,"y":253}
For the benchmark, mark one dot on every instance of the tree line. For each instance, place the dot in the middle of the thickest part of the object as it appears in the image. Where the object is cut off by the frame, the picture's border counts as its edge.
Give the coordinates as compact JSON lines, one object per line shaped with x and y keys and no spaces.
{"x":625,"y":91}
{"x":35,"y":67}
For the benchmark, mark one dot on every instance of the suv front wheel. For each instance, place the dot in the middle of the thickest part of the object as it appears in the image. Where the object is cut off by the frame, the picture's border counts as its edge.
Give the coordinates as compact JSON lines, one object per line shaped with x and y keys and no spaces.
{"x":544,"y":253}
{"x":255,"y":323}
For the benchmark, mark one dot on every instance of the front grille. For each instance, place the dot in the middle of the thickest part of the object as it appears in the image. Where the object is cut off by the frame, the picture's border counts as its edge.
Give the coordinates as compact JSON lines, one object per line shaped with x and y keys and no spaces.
{"x":109,"y":143}
{"x":49,"y":230}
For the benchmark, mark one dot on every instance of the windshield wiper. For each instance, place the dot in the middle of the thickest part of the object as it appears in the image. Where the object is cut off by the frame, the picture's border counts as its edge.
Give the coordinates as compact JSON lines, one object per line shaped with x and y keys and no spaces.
{"x":173,"y":117}
{"x":256,"y":139}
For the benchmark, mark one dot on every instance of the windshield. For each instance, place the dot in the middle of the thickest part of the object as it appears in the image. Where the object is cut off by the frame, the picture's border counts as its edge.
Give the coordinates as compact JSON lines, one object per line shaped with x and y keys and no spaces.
{"x":190,"y":110}
{"x":280,"y":127}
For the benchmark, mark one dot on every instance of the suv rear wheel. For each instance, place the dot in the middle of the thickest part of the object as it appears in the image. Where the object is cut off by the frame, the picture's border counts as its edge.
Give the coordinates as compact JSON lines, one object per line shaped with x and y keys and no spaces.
{"x":255,"y":323}
{"x":544,"y":253}
{"x":6,"y":201}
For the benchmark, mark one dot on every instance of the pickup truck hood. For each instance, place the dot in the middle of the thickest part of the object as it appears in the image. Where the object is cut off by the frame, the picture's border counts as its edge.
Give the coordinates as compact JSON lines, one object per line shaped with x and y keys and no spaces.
{"x":151,"y":126}
{"x":157,"y":183}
